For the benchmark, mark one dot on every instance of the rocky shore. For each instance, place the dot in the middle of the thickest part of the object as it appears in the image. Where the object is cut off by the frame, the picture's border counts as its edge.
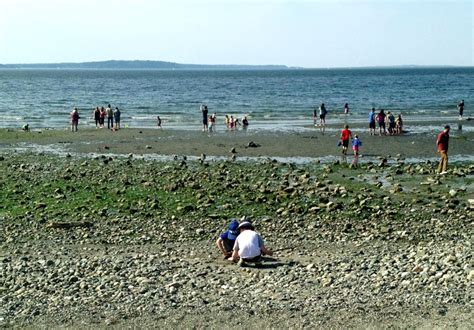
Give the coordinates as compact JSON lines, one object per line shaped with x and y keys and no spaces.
{"x":106,"y":240}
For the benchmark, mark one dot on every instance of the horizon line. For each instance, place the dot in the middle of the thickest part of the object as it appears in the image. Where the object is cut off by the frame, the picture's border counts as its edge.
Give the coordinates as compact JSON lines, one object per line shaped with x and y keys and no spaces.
{"x":249,"y":65}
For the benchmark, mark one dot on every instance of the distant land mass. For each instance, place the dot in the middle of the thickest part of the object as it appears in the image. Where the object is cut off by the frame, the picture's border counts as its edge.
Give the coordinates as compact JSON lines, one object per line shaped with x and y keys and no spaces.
{"x":152,"y":65}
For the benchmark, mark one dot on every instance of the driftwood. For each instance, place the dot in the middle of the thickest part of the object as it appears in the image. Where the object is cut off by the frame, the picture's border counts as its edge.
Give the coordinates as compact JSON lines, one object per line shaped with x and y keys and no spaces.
{"x":67,"y":225}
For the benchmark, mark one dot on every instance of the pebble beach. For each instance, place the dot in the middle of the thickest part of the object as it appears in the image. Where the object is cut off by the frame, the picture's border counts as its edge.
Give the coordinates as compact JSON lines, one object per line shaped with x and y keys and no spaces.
{"x":101,"y":228}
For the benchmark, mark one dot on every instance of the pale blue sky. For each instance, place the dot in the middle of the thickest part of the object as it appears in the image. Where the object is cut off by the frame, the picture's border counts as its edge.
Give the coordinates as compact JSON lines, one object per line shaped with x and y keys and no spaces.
{"x":319,"y":33}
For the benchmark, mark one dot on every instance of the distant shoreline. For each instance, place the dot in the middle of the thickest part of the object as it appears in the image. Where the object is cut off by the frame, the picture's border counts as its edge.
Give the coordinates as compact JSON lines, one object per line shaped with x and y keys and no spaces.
{"x":163,"y":65}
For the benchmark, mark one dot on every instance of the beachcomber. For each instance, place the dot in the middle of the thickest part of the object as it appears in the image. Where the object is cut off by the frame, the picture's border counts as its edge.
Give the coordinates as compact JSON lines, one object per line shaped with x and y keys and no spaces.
{"x":226,"y":240}
{"x":249,"y":246}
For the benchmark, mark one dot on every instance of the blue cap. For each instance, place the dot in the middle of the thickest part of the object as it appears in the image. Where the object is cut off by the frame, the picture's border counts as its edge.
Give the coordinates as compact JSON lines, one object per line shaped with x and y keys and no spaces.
{"x":232,"y":232}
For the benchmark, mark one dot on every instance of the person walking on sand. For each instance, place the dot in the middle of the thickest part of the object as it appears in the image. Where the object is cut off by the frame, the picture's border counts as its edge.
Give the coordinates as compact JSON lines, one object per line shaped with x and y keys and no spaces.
{"x":461,"y":109}
{"x":117,"y":115}
{"x":356,"y":144}
{"x":74,"y":119}
{"x":158,"y":122}
{"x":225,"y":242}
{"x":204,"y":111}
{"x":442,"y":143}
{"x":96,"y":116}
{"x":322,"y":117}
{"x":372,"y":122}
{"x":346,"y":135}
{"x":110,"y":117}
{"x":249,"y":246}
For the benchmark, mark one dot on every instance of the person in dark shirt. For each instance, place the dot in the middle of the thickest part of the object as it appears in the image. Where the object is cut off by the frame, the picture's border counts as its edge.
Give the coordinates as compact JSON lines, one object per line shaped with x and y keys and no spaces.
{"x":225,"y":242}
{"x":442,"y":143}
{"x":205,"y":119}
{"x":461,"y":109}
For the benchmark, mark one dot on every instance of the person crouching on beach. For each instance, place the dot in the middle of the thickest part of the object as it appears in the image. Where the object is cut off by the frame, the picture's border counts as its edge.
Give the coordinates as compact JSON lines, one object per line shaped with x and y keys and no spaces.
{"x":249,"y":246}
{"x":225,"y":242}
{"x":442,"y":143}
{"x":356,"y":144}
{"x":74,"y":119}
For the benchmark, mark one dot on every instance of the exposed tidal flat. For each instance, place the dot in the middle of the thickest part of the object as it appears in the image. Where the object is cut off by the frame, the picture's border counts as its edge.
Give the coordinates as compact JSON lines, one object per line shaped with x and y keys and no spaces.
{"x":94,"y":231}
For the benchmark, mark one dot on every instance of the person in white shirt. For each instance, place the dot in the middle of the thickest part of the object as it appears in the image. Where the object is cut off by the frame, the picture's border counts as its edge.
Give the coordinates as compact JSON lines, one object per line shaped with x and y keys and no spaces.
{"x":249,"y":246}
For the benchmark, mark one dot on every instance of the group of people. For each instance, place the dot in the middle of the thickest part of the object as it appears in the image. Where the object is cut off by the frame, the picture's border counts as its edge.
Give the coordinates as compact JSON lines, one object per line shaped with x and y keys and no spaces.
{"x":241,"y":244}
{"x":387,"y":123}
{"x":231,"y":122}
{"x":113,"y":117}
{"x":99,"y":114}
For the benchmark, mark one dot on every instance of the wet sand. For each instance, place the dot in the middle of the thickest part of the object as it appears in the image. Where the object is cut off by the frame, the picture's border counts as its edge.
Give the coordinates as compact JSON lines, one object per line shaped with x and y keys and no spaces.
{"x":310,"y":143}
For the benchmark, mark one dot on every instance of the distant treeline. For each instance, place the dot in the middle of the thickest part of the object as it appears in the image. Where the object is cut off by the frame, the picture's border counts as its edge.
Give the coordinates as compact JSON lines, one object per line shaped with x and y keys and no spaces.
{"x":161,"y":65}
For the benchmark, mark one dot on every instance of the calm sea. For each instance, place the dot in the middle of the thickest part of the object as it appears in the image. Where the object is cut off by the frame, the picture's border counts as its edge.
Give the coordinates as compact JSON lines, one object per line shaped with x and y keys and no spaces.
{"x":275,"y":100}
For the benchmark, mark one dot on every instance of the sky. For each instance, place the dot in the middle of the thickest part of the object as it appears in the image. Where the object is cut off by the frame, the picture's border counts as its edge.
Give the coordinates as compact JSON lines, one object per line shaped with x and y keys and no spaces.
{"x":303,"y":33}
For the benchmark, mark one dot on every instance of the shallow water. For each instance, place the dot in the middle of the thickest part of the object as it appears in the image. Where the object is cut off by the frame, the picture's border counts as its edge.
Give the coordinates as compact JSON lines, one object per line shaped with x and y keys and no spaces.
{"x":274,"y":100}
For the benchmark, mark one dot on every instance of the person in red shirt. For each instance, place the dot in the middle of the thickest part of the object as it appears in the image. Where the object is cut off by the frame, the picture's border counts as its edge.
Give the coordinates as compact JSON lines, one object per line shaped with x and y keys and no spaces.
{"x":346,"y":135}
{"x":442,"y":143}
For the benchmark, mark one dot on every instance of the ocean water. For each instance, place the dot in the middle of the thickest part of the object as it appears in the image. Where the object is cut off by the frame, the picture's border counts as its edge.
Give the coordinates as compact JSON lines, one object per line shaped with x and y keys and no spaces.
{"x":273,"y":100}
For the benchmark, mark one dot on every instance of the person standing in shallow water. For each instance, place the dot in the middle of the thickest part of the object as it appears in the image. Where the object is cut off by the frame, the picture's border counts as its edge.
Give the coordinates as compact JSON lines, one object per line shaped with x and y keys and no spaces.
{"x":96,"y":115}
{"x":442,"y":143}
{"x":117,"y":114}
{"x":74,"y":119}
{"x":110,"y":117}
{"x":205,"y":119}
{"x":381,"y":120}
{"x":461,"y":109}
{"x":372,"y":122}
{"x":102,"y":117}
{"x":322,"y":117}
